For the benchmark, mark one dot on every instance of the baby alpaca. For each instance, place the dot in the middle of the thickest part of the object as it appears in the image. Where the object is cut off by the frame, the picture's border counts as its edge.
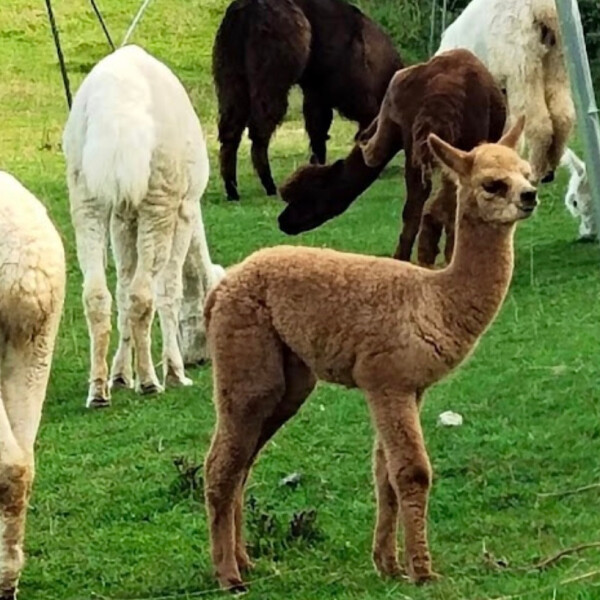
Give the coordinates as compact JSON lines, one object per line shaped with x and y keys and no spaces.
{"x":578,"y":198}
{"x":137,"y":165}
{"x":32,"y":288}
{"x":289,"y":315}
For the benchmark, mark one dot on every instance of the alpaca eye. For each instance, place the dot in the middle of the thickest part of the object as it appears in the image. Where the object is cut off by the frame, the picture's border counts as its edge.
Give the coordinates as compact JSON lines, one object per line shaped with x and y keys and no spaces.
{"x":575,"y":203}
{"x":495,"y":187}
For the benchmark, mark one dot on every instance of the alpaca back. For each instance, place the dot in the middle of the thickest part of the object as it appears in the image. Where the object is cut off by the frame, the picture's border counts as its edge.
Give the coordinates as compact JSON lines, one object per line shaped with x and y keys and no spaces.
{"x":130,"y":116}
{"x":260,"y":45}
{"x":32,"y":262}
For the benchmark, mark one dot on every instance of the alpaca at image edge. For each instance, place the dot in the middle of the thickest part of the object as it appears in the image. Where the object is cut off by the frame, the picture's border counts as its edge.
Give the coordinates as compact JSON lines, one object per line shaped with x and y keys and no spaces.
{"x":32,"y":290}
{"x":519,"y":42}
{"x":287,"y":316}
{"x":137,"y":166}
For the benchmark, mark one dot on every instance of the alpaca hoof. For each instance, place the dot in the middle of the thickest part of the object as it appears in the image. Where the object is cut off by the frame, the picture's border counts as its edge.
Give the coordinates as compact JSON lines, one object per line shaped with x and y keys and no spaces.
{"x":586,"y":239}
{"x":150,"y":388}
{"x":121,"y":382}
{"x":422,"y":576}
{"x":98,"y":395}
{"x":232,"y":191}
{"x":174,"y":380}
{"x":271,"y":191}
{"x":388,"y":566}
{"x":548,"y":177}
{"x":233,"y":584}
{"x":96,"y":402}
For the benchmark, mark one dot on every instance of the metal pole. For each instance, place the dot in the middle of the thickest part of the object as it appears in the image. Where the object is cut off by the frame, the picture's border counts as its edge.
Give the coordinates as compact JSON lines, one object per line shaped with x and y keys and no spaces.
{"x":432,"y":28}
{"x":104,"y":28}
{"x":61,"y":58}
{"x":583,"y":93}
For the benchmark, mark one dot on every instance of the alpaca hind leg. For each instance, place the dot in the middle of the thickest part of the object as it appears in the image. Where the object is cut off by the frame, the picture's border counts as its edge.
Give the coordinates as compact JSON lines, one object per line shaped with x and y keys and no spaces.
{"x":418,"y":188}
{"x":232,"y":122}
{"x":25,"y":370}
{"x":168,"y":300}
{"x":264,"y":118}
{"x":299,"y":383}
{"x":123,"y":233}
{"x":397,"y":421}
{"x":249,"y":384}
{"x":318,"y":116}
{"x":156,"y":226}
{"x":385,"y":552}
{"x":90,"y":220}
{"x":199,"y":276}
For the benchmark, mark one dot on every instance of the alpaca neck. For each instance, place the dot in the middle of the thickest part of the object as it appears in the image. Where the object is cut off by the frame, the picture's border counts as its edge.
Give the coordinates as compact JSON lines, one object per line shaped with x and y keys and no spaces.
{"x":475,"y":283}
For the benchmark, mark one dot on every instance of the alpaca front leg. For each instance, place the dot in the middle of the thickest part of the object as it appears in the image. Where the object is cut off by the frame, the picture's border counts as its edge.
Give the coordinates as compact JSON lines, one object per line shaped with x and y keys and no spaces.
{"x":15,"y":486}
{"x":384,"y":540}
{"x":409,"y":472}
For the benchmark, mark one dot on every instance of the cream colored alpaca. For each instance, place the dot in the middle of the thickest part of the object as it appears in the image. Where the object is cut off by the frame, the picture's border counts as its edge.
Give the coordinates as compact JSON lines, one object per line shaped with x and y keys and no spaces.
{"x":137,"y":165}
{"x":519,"y":42}
{"x":32,"y":285}
{"x":289,"y":315}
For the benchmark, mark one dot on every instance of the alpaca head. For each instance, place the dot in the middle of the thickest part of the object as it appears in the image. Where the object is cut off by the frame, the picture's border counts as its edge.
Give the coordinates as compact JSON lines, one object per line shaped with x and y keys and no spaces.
{"x":494,"y":182}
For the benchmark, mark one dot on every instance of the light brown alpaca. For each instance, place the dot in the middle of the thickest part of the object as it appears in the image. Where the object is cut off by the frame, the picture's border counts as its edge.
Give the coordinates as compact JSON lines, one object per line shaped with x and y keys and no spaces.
{"x":289,"y":315}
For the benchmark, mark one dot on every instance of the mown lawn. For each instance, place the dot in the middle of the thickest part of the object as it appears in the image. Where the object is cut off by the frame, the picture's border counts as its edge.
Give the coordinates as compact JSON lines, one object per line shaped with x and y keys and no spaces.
{"x":112,"y":519}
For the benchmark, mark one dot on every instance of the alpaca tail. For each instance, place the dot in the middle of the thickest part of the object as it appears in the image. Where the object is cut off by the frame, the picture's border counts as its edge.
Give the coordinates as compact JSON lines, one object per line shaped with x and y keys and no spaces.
{"x":109,"y":139}
{"x":316,"y":194}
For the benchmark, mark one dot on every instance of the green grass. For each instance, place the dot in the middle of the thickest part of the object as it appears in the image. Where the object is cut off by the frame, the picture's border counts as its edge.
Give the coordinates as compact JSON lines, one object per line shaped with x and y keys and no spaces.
{"x":109,"y":518}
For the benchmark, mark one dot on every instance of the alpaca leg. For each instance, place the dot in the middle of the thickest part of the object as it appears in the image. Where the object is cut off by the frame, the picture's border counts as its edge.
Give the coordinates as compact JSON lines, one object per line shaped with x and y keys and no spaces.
{"x":317,"y":120}
{"x":538,"y":125}
{"x":123,"y":234}
{"x":264,"y":118}
{"x":562,"y":114}
{"x":90,"y":220}
{"x":25,"y":369}
{"x":168,"y":301}
{"x":388,"y":510}
{"x":299,"y":383}
{"x":438,"y":216}
{"x":409,"y":472}
{"x":418,"y":188}
{"x":199,"y":275}
{"x":429,"y":239}
{"x":249,"y":385}
{"x":232,"y":123}
{"x":156,"y":226}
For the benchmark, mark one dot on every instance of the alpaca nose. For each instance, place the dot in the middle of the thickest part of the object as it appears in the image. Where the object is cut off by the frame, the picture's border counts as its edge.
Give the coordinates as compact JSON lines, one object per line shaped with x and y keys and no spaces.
{"x":529,"y":199}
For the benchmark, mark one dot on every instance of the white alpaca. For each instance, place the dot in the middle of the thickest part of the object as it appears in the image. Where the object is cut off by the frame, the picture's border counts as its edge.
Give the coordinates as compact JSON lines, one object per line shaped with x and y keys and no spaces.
{"x":519,"y":42}
{"x":137,"y":166}
{"x":578,"y":198}
{"x":32,"y":287}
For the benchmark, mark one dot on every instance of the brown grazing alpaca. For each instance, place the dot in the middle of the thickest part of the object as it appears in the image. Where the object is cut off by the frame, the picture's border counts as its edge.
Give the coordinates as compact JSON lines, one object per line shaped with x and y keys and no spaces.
{"x":339,"y":57}
{"x":452,"y":95}
{"x":289,"y":315}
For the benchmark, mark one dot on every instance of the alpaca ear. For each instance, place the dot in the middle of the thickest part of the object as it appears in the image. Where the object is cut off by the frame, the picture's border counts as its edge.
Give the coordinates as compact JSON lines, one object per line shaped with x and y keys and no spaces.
{"x":455,"y":160}
{"x":512,"y":136}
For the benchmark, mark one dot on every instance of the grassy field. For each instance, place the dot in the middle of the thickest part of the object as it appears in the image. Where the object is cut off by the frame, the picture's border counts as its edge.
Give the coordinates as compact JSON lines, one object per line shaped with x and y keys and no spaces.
{"x":111,"y":516}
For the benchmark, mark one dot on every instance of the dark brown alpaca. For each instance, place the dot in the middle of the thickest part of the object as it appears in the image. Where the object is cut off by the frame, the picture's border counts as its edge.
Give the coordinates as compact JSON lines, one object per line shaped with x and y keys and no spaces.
{"x":340,"y":58}
{"x":453,"y":95}
{"x":289,"y":315}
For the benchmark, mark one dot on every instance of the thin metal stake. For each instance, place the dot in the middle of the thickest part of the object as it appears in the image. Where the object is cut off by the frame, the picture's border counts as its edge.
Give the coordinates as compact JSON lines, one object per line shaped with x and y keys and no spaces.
{"x":104,"y":27}
{"x":61,"y":58}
